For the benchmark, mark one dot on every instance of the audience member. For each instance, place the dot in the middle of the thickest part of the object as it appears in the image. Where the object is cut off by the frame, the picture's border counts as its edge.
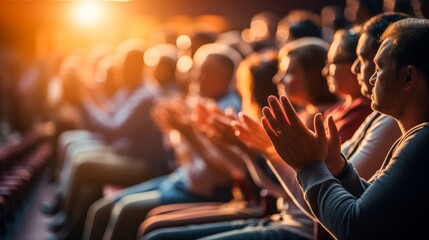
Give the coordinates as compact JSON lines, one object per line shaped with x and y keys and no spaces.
{"x":350,"y":113}
{"x":129,"y":149}
{"x":347,"y":206}
{"x":307,"y":88}
{"x":201,"y":176}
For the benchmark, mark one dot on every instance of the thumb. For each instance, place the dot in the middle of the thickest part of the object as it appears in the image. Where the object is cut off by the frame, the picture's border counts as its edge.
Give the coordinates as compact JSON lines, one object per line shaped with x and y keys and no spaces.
{"x":334,"y":137}
{"x":319,"y":128}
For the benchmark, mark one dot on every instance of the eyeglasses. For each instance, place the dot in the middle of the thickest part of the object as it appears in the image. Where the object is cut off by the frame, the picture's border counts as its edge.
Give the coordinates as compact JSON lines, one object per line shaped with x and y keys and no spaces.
{"x":340,"y":61}
{"x":327,"y":70}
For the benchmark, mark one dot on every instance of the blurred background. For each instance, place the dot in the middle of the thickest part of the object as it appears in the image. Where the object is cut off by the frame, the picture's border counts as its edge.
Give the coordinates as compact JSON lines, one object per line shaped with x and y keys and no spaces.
{"x":56,"y":54}
{"x":37,"y":35}
{"x":39,"y":28}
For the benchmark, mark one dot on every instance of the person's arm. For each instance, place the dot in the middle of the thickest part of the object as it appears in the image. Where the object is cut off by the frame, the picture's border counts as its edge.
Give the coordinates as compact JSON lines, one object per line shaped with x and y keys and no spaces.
{"x":393,"y":201}
{"x":260,"y":177}
{"x":252,"y":134}
{"x":217,"y":157}
{"x":224,"y":131}
{"x":127,"y":118}
{"x":385,"y":208}
{"x":191,"y":128}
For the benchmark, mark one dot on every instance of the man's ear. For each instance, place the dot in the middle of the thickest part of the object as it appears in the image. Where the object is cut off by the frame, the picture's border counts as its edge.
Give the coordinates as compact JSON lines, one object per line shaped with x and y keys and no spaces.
{"x":411,"y":75}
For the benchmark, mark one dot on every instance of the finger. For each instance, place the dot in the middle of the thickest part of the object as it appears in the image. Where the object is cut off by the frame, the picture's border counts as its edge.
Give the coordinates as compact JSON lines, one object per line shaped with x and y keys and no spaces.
{"x":241,"y":135}
{"x":240,"y":116}
{"x":231,"y":115}
{"x":222,"y":125}
{"x":290,"y":112}
{"x":334,"y":137}
{"x":271,"y":134}
{"x":279,"y":114}
{"x":271,"y":121}
{"x":229,"y":111}
{"x":256,"y":129}
{"x":249,"y":123}
{"x":250,"y":140}
{"x":239,"y":131}
{"x":319,"y":128}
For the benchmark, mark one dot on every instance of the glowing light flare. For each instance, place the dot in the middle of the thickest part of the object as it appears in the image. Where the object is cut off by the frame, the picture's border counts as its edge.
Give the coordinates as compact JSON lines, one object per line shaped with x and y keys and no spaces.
{"x":184,"y":64}
{"x":247,"y":35}
{"x":151,"y":57}
{"x":183,"y":42}
{"x":282,"y":33}
{"x":54,"y":92}
{"x":87,"y":13}
{"x":284,"y":64}
{"x":259,"y":29}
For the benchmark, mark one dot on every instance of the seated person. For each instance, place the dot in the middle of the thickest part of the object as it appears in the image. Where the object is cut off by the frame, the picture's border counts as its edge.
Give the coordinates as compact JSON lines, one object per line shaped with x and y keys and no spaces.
{"x":201,"y":175}
{"x":332,"y":188}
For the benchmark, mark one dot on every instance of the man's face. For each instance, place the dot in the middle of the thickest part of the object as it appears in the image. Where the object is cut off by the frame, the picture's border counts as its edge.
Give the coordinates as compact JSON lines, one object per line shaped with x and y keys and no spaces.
{"x":212,"y":78}
{"x":386,"y":81}
{"x":364,"y":66}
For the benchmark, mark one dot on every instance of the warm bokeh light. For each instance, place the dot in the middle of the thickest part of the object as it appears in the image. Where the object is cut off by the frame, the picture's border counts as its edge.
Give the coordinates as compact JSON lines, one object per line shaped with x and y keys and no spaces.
{"x":151,"y":57}
{"x":184,"y":64}
{"x":87,"y":13}
{"x":259,"y":29}
{"x":282,"y":32}
{"x":183,"y":42}
{"x":247,"y":35}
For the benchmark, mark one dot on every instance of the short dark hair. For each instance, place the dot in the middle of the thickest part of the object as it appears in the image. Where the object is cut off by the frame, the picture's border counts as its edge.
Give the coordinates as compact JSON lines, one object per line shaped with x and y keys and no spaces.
{"x":305,"y":28}
{"x":349,"y":40}
{"x":376,"y":25}
{"x":262,"y":74}
{"x":226,"y":62}
{"x":311,"y":55}
{"x":410,"y":43}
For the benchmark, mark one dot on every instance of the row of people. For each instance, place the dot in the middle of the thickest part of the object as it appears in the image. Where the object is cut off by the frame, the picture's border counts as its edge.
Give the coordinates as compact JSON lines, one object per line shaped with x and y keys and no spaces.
{"x":211,"y":161}
{"x":366,"y":151}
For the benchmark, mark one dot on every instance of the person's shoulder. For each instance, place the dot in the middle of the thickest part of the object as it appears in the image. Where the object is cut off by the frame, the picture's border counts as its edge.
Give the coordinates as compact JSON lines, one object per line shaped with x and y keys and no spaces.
{"x":413,"y":147}
{"x":417,"y":136}
{"x":422,"y":128}
{"x":383,"y":120}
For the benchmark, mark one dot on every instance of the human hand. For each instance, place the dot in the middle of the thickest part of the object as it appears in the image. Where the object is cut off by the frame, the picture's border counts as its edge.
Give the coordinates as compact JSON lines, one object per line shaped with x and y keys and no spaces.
{"x":293,"y":141}
{"x":171,"y":114}
{"x":222,"y":129}
{"x":252,"y":134}
{"x":333,"y":160}
{"x":201,"y":114}
{"x":160,"y":116}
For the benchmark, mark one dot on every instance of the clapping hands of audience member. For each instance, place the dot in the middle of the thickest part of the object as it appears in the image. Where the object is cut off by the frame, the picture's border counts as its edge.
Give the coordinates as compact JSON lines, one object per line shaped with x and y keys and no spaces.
{"x":252,"y":134}
{"x":172,"y":114}
{"x":295,"y":143}
{"x":221,"y":128}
